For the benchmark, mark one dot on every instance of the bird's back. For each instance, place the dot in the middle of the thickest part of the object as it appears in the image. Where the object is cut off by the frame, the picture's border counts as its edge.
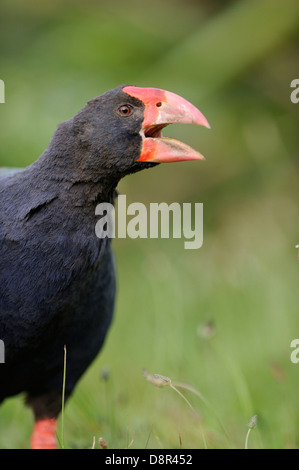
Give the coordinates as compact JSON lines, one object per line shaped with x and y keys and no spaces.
{"x":57,"y":287}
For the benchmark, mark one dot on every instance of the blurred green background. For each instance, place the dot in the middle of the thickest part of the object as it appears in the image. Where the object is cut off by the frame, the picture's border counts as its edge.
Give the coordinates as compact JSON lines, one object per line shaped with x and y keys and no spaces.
{"x":220,"y":318}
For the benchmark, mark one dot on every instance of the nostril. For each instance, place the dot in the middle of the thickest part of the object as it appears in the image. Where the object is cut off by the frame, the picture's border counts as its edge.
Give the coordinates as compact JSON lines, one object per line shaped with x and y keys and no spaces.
{"x":159,"y":104}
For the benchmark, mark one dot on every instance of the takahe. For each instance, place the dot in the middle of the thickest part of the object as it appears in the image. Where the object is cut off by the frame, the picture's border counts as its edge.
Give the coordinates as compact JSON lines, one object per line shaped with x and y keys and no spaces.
{"x":57,"y":278}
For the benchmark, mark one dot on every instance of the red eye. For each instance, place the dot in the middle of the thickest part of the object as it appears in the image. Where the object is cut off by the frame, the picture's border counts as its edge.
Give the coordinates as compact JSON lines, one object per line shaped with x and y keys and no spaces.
{"x":125,"y":110}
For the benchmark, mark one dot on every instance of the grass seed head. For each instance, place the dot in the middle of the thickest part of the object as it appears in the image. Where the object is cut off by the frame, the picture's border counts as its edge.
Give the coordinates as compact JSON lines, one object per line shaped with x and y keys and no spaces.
{"x":253,"y":422}
{"x":102,"y":443}
{"x":157,"y":379}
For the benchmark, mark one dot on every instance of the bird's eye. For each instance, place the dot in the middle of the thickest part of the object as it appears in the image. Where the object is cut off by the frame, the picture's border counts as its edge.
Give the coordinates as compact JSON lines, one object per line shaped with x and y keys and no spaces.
{"x":125,"y":110}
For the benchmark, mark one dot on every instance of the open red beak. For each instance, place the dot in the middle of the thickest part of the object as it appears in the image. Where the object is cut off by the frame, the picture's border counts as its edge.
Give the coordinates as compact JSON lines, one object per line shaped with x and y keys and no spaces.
{"x":163,"y":108}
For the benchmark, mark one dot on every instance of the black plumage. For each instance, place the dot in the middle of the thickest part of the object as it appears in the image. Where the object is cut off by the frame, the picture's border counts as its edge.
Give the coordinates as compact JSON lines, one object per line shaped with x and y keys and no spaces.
{"x":57,"y":280}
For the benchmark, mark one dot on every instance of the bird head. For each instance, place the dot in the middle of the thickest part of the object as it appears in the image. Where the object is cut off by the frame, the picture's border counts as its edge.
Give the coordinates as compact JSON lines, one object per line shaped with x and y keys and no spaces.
{"x":118,"y":133}
{"x":122,"y":129}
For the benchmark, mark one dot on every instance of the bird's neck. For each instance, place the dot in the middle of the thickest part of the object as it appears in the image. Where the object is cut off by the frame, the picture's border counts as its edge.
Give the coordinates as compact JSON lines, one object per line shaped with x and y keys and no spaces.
{"x":73,"y":187}
{"x":87,"y":194}
{"x":70,"y":167}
